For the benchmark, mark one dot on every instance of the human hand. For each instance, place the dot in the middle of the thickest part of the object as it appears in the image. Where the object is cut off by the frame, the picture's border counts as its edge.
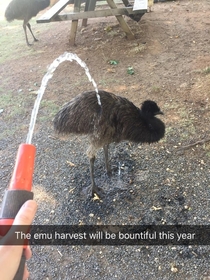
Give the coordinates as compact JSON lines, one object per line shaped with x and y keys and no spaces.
{"x":10,"y":255}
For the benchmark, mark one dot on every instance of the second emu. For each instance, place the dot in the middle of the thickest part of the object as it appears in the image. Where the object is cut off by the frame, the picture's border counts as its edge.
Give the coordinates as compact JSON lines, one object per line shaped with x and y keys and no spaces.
{"x":117,"y":119}
{"x":25,"y":10}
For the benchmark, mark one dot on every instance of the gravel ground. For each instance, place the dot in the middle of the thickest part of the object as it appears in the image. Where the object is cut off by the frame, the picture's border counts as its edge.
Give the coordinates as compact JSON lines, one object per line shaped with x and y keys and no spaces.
{"x":156,"y":185}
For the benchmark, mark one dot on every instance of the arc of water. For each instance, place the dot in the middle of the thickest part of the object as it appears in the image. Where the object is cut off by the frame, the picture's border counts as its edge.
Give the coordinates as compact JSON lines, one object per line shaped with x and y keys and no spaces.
{"x":119,"y":168}
{"x":64,"y":57}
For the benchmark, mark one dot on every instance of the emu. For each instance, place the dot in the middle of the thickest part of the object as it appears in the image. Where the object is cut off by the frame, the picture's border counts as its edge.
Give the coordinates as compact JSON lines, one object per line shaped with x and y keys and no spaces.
{"x":115,"y":120}
{"x":25,"y":10}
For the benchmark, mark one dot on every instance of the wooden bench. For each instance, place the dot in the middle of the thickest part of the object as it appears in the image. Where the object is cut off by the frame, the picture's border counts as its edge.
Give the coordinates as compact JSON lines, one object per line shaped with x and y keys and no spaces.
{"x":53,"y":11}
{"x":53,"y":14}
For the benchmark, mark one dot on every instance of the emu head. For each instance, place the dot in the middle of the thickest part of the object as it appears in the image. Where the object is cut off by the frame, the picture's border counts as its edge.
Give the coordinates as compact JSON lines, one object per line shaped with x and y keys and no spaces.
{"x":150,"y":109}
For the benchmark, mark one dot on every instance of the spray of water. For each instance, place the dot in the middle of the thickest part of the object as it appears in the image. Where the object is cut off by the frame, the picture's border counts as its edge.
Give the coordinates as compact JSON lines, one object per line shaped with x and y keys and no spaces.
{"x":119,"y":168}
{"x":64,"y":57}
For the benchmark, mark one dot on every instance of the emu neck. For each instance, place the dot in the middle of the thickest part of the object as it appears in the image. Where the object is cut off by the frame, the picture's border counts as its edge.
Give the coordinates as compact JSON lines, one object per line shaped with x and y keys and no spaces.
{"x":145,"y":130}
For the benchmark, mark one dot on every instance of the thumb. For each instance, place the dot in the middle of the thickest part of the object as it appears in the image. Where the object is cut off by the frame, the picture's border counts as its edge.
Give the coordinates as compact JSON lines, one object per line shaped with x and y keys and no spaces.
{"x":26,"y":213}
{"x":22,"y":221}
{"x":11,"y":255}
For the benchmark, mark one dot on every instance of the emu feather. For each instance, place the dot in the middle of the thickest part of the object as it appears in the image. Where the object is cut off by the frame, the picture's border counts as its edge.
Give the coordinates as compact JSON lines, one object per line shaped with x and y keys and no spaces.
{"x":117,"y":119}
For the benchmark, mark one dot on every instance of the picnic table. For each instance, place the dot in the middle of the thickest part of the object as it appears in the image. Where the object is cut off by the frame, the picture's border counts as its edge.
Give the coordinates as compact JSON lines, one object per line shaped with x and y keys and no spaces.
{"x":89,"y":11}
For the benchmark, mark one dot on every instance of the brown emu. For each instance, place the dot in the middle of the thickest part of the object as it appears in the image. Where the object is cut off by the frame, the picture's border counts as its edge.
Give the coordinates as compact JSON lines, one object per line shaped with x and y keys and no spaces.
{"x":117,"y":119}
{"x":25,"y":10}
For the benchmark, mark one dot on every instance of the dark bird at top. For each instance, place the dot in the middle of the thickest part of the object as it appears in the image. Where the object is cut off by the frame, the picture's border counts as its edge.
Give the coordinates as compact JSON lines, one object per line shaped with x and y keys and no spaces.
{"x":115,"y":120}
{"x":25,"y":10}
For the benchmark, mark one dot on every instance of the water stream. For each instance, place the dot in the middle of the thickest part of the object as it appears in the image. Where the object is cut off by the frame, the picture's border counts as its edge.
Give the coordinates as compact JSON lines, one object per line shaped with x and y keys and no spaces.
{"x":64,"y":57}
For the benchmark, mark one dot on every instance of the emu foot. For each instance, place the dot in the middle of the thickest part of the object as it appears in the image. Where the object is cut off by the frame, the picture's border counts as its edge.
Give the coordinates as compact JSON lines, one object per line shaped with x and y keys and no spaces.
{"x":98,"y":191}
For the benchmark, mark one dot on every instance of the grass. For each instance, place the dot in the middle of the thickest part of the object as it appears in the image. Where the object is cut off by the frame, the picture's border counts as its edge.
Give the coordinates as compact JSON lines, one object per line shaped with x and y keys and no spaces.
{"x":17,"y":107}
{"x":12,"y":41}
{"x":105,"y":82}
{"x":49,"y":109}
{"x":13,"y":106}
{"x":13,"y":44}
{"x":9,"y":132}
{"x":155,"y":89}
{"x":187,"y":124}
{"x":139,"y":49}
{"x":13,"y":103}
{"x":7,"y":99}
{"x":181,"y":119}
{"x":206,"y":71}
{"x":207,"y":148}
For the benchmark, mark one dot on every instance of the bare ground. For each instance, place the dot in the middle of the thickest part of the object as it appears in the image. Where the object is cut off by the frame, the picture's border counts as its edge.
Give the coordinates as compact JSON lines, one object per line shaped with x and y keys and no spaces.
{"x":165,"y":183}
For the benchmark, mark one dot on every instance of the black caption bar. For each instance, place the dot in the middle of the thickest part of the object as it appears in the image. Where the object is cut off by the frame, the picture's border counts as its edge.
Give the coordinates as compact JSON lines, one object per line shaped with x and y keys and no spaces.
{"x":110,"y":235}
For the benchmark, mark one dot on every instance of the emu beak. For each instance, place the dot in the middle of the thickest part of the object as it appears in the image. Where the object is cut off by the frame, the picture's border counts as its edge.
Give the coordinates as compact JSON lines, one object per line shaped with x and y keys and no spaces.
{"x":159,"y":113}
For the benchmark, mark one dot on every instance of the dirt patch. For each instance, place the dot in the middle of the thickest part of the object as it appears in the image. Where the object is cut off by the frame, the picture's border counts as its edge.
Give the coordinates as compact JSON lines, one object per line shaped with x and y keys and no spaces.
{"x":158,"y":184}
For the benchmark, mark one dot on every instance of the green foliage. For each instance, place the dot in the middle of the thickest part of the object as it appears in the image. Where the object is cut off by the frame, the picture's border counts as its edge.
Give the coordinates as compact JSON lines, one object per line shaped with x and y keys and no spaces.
{"x":130,"y":70}
{"x":113,"y":62}
{"x":206,"y":70}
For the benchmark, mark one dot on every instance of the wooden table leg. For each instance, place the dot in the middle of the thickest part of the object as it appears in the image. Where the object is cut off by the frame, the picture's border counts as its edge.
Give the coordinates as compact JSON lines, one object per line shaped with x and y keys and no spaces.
{"x":84,"y":21}
{"x":89,"y":6}
{"x":122,"y":22}
{"x":74,"y":24}
{"x":126,"y":3}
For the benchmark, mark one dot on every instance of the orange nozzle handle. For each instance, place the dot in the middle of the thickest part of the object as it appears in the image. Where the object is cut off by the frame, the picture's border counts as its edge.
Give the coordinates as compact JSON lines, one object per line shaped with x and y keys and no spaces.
{"x":18,"y":193}
{"x":19,"y":190}
{"x":24,"y":167}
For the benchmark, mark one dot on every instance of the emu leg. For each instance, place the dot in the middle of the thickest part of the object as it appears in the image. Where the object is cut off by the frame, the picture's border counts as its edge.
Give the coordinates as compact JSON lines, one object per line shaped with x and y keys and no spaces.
{"x":95,"y":189}
{"x":24,"y":28}
{"x":106,"y":155}
{"x":29,"y":27}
